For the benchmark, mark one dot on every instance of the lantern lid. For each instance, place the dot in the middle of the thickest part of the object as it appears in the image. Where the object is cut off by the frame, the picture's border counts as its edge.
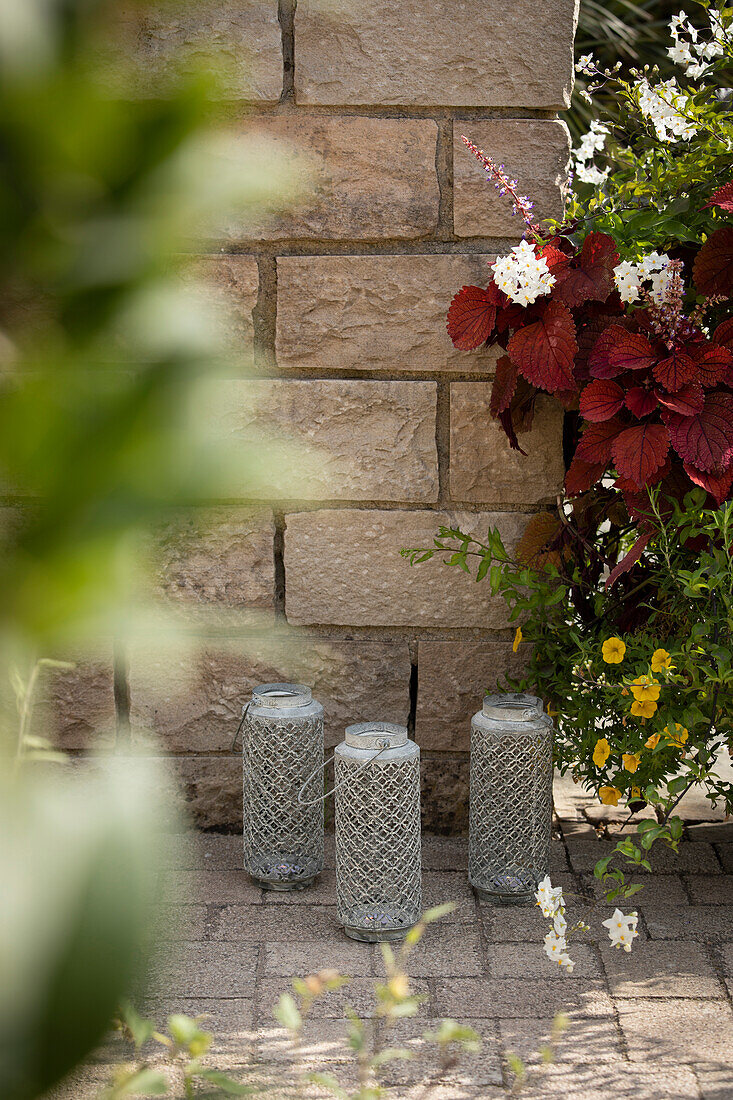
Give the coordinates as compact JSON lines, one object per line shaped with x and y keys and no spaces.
{"x":376,"y":735}
{"x":514,"y":707}
{"x":282,"y":695}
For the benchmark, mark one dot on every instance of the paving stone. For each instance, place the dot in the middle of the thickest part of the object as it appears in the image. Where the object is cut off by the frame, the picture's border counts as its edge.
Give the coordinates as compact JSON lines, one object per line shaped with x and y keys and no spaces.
{"x":299,"y":959}
{"x":710,"y":889}
{"x":230,"y":1022}
{"x":444,"y":853}
{"x":589,"y":1039}
{"x":453,"y":677}
{"x":443,"y":952}
{"x":715,"y":1081}
{"x":290,"y":923}
{"x":322,"y":892}
{"x":677,"y":1031}
{"x":661,"y":970}
{"x":347,"y":313}
{"x":196,"y":851}
{"x":215,"y":887}
{"x":727,"y":955}
{"x":484,"y":468}
{"x":348,"y":439}
{"x":355,"y":178}
{"x":473,"y":1071}
{"x":694,"y":858}
{"x":709,"y":923}
{"x":319,"y":1041}
{"x":534,"y":151}
{"x":503,"y":998}
{"x":659,"y":891}
{"x":359,"y":57}
{"x":714,"y":833}
{"x":358,"y":995}
{"x":202,"y":970}
{"x":239,"y":39}
{"x":525,"y":924}
{"x":178,"y":922}
{"x":439,"y":887}
{"x":367,"y":583}
{"x":592,"y":1082}
{"x":725,"y":852}
{"x":528,"y":960}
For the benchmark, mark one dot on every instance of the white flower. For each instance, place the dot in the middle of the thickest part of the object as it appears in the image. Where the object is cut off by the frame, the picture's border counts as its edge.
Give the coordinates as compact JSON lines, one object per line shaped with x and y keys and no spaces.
{"x":588,"y":173}
{"x":549,"y":898}
{"x":664,"y":105}
{"x":566,"y":962}
{"x":585,"y":64}
{"x":554,"y":945}
{"x":653,"y":267}
{"x":621,"y":929}
{"x":559,"y":923}
{"x":522,"y":275}
{"x":627,"y":281}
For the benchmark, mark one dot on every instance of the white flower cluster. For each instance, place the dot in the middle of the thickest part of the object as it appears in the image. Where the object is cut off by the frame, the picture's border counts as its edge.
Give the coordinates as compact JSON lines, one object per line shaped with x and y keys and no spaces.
{"x":653,"y":268}
{"x":586,"y":65}
{"x":622,"y":929}
{"x":690,"y":51}
{"x":523,"y":275}
{"x":591,"y":143}
{"x":552,"y":904}
{"x":665,"y":105}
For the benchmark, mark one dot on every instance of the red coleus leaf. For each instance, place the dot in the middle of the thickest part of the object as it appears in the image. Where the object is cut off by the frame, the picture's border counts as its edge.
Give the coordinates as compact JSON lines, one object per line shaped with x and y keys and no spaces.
{"x":592,"y":278}
{"x":601,"y":400}
{"x":471,"y":317}
{"x":618,"y":350}
{"x":713,"y":269}
{"x":724,"y":333}
{"x":712,"y":364}
{"x":641,"y":402}
{"x":675,"y":371}
{"x":505,"y":383}
{"x":630,"y":559}
{"x":625,"y":485}
{"x":553,"y":257}
{"x":723,"y":198}
{"x":544,"y":350}
{"x":595,"y":442}
{"x":582,"y":476}
{"x":687,"y":401}
{"x":706,"y":439}
{"x":505,"y":419}
{"x":639,"y":452}
{"x":718,"y":485}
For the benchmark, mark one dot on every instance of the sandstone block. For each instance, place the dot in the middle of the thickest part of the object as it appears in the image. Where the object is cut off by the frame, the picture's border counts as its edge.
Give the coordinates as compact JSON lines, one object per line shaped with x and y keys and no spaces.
{"x":480,"y":53}
{"x":228,"y":287}
{"x":193,"y":700}
{"x":374,"y":313}
{"x":357,"y":178}
{"x":239,"y":39}
{"x":366,"y":440}
{"x":211,"y":790}
{"x":444,"y":779}
{"x":534,"y":151}
{"x":483,"y":467}
{"x":453,"y":677}
{"x":218,"y":557}
{"x":75,"y":708}
{"x":344,"y":567}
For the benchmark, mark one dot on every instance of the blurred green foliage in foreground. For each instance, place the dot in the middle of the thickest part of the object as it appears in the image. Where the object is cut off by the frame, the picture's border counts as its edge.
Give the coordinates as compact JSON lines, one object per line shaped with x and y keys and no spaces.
{"x":103,"y":350}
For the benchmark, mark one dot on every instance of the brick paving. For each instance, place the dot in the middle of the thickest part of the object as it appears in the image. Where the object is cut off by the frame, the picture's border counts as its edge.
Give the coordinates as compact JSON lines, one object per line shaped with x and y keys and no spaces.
{"x":653,"y":1025}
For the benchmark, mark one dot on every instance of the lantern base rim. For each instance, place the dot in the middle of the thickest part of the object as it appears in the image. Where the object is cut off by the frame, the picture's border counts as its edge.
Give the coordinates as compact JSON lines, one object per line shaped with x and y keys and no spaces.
{"x":367,"y":936}
{"x":282,"y":885}
{"x":496,"y":898}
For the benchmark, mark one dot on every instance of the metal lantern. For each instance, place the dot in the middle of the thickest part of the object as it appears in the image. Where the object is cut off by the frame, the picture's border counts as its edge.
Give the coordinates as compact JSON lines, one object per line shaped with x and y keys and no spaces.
{"x":282,"y":743}
{"x":377,"y":794}
{"x":511,"y":798}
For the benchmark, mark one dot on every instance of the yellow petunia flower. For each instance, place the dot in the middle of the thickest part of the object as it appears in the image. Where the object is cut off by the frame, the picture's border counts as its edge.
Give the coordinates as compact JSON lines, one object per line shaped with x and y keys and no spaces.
{"x":661,"y":659}
{"x":643,"y":708}
{"x":517,"y":639}
{"x":609,"y":796}
{"x":631,"y":761}
{"x":645,"y":689}
{"x":613,"y":650}
{"x":635,"y":792}
{"x":678,"y":735}
{"x":653,"y":741}
{"x":601,"y":752}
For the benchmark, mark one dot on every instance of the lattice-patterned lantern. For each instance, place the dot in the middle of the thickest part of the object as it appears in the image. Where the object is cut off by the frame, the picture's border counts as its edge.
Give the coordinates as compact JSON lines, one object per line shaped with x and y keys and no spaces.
{"x":282,"y":744}
{"x":511,"y":798}
{"x":378,"y":871}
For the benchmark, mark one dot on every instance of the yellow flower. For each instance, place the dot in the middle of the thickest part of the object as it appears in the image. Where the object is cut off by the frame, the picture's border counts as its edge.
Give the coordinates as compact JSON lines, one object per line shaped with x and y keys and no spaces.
{"x":645,"y":689}
{"x":653,"y":741}
{"x":643,"y":708}
{"x":517,"y":639}
{"x":609,"y":796}
{"x":631,"y":761}
{"x":661,"y":659}
{"x":613,"y":651}
{"x":601,"y":752}
{"x":678,"y":735}
{"x":635,"y":792}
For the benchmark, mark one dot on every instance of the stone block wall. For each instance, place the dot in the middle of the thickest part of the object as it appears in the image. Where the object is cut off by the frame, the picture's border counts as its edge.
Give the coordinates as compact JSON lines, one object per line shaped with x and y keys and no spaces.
{"x":337,"y":309}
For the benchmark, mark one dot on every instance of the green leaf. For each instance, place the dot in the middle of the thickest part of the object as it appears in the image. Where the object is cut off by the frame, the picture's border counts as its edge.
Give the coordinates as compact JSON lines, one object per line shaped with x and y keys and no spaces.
{"x":146,"y":1082}
{"x":391,"y":1054}
{"x":226,"y":1084}
{"x":438,"y":911}
{"x":286,"y":1013}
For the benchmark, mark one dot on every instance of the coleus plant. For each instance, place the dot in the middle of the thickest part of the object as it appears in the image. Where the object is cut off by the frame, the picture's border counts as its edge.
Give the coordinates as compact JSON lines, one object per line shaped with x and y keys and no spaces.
{"x":653,"y":389}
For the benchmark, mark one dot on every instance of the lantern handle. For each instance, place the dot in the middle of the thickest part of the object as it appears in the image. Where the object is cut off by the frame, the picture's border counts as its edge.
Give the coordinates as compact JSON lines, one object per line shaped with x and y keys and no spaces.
{"x":245,"y":710}
{"x":336,"y":786}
